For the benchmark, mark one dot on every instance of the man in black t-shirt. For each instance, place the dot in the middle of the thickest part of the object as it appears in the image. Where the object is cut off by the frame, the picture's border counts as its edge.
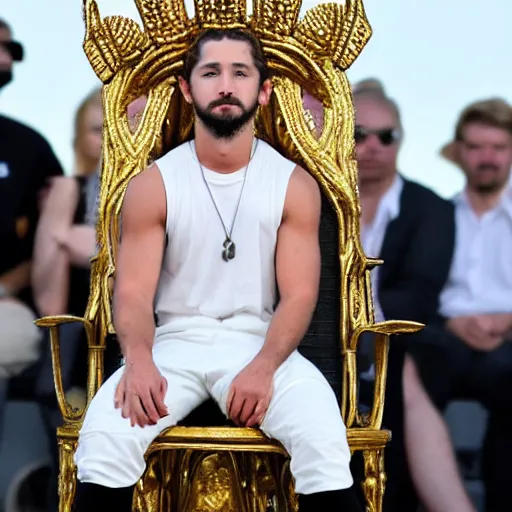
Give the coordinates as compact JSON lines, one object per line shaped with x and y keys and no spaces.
{"x":26,"y":164}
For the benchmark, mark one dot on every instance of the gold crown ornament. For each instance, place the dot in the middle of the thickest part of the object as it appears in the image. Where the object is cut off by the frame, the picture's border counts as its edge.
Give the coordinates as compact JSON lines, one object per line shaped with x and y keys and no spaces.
{"x":144,"y":117}
{"x":335,"y":32}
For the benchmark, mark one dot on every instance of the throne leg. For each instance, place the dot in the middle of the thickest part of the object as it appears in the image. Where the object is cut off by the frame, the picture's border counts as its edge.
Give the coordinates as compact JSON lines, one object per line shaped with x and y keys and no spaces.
{"x":374,"y":483}
{"x":67,"y":474}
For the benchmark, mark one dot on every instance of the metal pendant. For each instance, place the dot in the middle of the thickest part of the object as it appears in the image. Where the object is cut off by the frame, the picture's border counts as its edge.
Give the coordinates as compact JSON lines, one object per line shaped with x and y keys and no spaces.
{"x":229,"y":250}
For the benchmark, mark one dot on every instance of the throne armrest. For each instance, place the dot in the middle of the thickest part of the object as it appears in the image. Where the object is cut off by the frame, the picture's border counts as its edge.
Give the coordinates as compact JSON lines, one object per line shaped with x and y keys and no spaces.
{"x":69,"y":413}
{"x":382,"y":331}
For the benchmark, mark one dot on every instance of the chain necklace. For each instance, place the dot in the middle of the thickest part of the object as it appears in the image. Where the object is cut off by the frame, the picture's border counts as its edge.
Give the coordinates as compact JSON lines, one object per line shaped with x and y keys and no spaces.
{"x":228,"y":247}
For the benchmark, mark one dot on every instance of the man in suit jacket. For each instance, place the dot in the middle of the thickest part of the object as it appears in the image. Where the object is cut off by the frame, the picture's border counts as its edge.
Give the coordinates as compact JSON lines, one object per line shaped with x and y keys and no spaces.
{"x":413,"y":231}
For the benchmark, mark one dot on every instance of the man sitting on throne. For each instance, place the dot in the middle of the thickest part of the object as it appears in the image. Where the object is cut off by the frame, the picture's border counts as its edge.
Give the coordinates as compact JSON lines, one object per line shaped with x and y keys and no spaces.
{"x":212,"y":233}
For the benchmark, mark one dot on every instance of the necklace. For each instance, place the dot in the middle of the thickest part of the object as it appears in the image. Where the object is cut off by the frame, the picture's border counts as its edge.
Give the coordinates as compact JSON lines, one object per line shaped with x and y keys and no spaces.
{"x":228,"y":247}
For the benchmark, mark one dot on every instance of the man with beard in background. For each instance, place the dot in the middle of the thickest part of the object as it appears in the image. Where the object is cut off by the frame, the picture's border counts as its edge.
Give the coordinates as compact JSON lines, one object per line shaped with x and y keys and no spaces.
{"x":471,"y":355}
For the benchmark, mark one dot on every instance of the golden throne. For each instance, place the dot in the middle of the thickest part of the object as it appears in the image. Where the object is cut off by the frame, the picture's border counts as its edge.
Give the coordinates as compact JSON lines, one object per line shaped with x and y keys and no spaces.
{"x":224,"y":468}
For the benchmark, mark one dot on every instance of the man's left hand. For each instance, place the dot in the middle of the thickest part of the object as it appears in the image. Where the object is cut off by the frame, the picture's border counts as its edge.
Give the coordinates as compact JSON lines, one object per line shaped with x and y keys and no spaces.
{"x":250,"y":394}
{"x":501,"y":323}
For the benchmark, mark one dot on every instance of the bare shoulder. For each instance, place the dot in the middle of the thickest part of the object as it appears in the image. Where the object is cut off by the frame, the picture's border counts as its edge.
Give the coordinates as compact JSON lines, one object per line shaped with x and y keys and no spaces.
{"x":145,"y":195}
{"x":303,"y":195}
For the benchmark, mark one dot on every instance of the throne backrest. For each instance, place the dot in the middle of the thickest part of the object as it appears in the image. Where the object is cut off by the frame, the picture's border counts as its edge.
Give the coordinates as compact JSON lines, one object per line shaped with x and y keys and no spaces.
{"x":145,"y":115}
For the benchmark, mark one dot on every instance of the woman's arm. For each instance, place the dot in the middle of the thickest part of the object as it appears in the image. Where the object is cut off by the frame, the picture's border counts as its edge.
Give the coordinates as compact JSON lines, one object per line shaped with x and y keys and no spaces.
{"x":50,"y":264}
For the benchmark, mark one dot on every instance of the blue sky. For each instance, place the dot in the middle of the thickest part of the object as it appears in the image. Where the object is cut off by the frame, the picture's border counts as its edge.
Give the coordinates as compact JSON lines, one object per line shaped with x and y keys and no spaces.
{"x":433,"y":56}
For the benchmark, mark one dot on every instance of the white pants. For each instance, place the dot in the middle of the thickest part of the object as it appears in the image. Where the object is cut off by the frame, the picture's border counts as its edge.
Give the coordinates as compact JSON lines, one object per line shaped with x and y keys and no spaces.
{"x":303,"y":414}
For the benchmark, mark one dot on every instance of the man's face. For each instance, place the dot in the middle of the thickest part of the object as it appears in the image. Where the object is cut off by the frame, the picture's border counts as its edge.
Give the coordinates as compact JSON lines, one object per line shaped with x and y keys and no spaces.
{"x":377,"y":141}
{"x":6,"y":59}
{"x":225,"y":87}
{"x":485,"y":155}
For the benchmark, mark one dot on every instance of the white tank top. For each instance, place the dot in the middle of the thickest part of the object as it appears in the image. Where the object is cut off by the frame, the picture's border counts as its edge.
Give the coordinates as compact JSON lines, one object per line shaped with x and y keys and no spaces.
{"x":197,"y":288}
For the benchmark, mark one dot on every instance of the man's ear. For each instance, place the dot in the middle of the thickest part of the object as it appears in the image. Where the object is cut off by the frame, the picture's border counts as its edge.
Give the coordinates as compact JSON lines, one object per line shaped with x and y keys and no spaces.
{"x":265,"y":92}
{"x":185,"y":89}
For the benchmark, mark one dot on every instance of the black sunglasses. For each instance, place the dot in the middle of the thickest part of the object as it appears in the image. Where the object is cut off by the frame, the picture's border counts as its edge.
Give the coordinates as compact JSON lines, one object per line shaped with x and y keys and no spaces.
{"x":14,"y":49}
{"x":386,"y":136}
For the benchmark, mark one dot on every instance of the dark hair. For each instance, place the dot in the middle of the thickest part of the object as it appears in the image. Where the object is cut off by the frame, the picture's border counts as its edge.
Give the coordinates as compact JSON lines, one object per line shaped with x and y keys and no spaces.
{"x":5,"y":25}
{"x":194,"y":53}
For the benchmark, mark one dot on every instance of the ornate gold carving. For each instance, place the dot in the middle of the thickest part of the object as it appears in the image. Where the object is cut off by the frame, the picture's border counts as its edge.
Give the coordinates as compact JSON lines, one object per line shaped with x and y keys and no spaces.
{"x":275,"y":17}
{"x":214,"y":469}
{"x":199,"y":481}
{"x":375,"y":479}
{"x":67,"y":471}
{"x":220,"y":14}
{"x":335,"y":31}
{"x":112,"y":43}
{"x":165,"y":21}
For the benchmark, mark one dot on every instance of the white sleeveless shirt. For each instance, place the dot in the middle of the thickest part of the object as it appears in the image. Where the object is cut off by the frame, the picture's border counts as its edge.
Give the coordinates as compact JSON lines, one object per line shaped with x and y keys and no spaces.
{"x":197,"y":288}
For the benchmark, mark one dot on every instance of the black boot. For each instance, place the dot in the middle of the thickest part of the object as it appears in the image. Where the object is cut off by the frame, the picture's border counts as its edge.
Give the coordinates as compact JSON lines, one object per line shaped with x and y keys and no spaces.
{"x":344,"y":500}
{"x":97,"y":498}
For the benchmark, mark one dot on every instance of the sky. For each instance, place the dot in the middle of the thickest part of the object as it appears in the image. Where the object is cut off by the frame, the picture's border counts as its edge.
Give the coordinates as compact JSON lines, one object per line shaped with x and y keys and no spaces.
{"x":433,"y":56}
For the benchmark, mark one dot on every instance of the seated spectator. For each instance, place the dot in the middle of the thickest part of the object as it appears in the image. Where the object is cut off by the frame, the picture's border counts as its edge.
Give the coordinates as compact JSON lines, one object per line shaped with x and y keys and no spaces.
{"x":26,"y":164}
{"x":66,"y":237}
{"x":400,"y":222}
{"x":468,"y":354}
{"x":65,"y":243}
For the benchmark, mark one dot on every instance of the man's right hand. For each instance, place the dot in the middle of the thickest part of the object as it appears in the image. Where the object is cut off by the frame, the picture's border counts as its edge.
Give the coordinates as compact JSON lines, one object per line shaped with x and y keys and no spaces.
{"x":476,"y":331}
{"x":140,"y":393}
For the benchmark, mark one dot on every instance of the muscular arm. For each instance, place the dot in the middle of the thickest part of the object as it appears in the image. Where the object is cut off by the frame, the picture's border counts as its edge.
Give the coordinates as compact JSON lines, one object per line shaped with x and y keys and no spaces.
{"x":139,"y":261}
{"x":297,"y":270}
{"x":141,"y":390}
{"x":298,"y":276}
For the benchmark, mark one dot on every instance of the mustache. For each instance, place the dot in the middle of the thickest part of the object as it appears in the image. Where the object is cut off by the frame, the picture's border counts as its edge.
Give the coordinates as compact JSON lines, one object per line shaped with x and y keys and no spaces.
{"x":230,"y":100}
{"x":488,"y":167}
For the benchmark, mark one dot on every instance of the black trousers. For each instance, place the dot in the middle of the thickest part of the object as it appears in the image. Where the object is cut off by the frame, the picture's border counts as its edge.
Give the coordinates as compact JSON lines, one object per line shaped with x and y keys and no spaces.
{"x":451,"y":369}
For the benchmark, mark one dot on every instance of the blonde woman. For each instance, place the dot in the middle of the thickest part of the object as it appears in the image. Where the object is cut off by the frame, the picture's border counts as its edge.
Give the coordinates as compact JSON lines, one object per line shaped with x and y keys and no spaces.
{"x":64,"y":245}
{"x":65,"y":239}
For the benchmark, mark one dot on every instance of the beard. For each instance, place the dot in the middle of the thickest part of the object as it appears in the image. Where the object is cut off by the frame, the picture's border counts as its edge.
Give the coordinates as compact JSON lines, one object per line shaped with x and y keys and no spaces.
{"x":489,"y":179}
{"x":489,"y":188}
{"x":225,"y":125}
{"x":5,"y":77}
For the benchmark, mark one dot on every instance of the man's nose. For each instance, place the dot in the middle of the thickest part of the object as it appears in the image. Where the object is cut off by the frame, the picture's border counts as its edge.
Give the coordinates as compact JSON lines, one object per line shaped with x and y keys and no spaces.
{"x":5,"y":58}
{"x":372,"y":142}
{"x":487,"y":157}
{"x":226,"y":85}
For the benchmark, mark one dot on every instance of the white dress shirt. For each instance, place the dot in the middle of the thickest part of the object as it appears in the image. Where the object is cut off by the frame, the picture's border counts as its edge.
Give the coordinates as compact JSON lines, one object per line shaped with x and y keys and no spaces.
{"x":372,"y":235}
{"x":480,"y":280}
